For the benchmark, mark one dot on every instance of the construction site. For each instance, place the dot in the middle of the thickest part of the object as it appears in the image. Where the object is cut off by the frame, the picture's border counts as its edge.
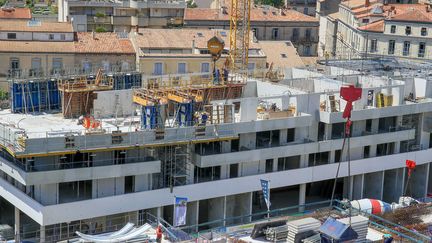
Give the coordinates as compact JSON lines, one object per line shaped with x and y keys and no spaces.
{"x":333,"y":153}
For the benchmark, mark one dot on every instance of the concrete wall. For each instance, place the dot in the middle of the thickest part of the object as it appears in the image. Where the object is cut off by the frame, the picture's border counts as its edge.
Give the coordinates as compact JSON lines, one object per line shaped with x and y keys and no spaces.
{"x":105,"y":106}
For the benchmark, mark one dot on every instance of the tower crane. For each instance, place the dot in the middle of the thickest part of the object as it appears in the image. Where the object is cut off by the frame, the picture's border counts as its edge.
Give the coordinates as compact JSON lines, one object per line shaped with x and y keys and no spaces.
{"x":239,"y":38}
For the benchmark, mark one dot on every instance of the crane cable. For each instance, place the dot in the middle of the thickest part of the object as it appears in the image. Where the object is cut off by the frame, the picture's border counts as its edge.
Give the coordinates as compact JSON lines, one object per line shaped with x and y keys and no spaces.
{"x":347,"y":135}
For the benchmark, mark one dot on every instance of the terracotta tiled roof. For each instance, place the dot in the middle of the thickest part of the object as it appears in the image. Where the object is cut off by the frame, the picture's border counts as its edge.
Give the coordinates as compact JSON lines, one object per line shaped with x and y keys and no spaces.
{"x":412,"y":15}
{"x":257,"y":14}
{"x":15,"y":13}
{"x":107,"y":43}
{"x":377,"y":26}
{"x":37,"y":47}
{"x":354,"y":4}
{"x":23,"y":25}
{"x":281,"y":53}
{"x":181,"y":38}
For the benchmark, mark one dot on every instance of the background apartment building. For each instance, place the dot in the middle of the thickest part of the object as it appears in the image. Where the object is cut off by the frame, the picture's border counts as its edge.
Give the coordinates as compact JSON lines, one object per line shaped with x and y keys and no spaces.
{"x":121,"y":16}
{"x":40,"y":49}
{"x":267,"y":23}
{"x":307,"y":7}
{"x":181,"y":51}
{"x":363,"y":28}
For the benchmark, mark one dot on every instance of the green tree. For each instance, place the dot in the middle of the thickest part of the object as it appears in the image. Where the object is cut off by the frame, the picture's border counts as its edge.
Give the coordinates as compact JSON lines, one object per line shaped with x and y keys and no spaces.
{"x":274,"y":3}
{"x":191,"y":4}
{"x":100,"y":29}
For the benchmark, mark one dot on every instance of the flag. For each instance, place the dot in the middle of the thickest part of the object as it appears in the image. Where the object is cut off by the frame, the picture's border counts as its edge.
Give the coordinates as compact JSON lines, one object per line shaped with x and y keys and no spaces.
{"x":180,"y":208}
{"x":266,"y":192}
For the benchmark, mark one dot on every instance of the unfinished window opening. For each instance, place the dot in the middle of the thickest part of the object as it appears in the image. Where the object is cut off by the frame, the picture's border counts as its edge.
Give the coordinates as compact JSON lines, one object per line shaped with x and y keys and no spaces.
{"x":269,"y":166}
{"x":321,"y":131}
{"x":129,"y":184}
{"x":319,"y":158}
{"x":75,"y":191}
{"x":267,"y":139}
{"x":208,"y":148}
{"x":119,"y":157}
{"x":387,"y":124}
{"x":290,"y":135}
{"x":338,"y":130}
{"x":234,"y":168}
{"x":338,"y":156}
{"x":385,"y":149}
{"x":368,"y":125}
{"x":366,"y":152}
{"x":207,"y":174}
{"x":289,"y":163}
{"x":77,"y":160}
{"x":235,"y":145}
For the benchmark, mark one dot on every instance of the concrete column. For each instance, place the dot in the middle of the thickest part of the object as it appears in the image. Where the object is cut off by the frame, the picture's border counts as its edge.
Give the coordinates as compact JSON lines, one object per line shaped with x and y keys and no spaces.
{"x":375,"y":125}
{"x":42,"y":234}
{"x":192,"y":213}
{"x":332,"y":156}
{"x":328,"y":131}
{"x":17,"y":225}
{"x":283,"y":134}
{"x":159,"y":213}
{"x":303,"y":161}
{"x":275,"y":164}
{"x":302,"y":196}
{"x":372,"y":186}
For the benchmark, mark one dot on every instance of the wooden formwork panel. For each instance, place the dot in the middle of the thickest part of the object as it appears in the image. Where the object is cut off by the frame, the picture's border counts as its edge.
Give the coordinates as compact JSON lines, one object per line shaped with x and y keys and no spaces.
{"x":76,"y":104}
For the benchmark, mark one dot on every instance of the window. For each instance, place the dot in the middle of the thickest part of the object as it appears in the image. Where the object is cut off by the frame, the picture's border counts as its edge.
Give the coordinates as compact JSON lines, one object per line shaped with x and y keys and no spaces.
{"x":307,"y":50}
{"x":423,"y":31}
{"x":393,"y":29}
{"x":255,"y":32}
{"x":366,"y":151}
{"x":62,"y":37}
{"x":373,"y":47}
{"x":87,"y":66}
{"x":35,"y":66}
{"x":308,"y":34}
{"x":408,"y":30}
{"x":406,"y":48}
{"x":306,"y":11}
{"x":295,"y":35}
{"x":11,"y":36}
{"x":106,"y":65}
{"x":181,"y":68}
{"x":51,"y":36}
{"x":422,"y":49}
{"x":251,"y":66}
{"x":14,"y":63}
{"x":57,"y":65}
{"x":205,"y":67}
{"x":365,"y":21}
{"x":157,"y":68}
{"x":391,"y":47}
{"x":275,"y":33}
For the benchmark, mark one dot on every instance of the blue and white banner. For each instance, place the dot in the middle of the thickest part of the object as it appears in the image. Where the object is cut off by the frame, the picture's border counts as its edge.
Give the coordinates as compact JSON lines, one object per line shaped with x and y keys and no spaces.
{"x":180,"y":208}
{"x":266,"y":192}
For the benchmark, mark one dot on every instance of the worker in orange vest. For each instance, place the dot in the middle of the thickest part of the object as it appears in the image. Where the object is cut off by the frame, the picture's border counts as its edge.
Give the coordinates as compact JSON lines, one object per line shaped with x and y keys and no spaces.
{"x":159,"y":234}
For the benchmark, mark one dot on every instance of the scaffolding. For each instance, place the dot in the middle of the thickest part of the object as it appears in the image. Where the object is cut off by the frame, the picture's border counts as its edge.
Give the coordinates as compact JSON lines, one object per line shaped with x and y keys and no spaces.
{"x":78,"y":93}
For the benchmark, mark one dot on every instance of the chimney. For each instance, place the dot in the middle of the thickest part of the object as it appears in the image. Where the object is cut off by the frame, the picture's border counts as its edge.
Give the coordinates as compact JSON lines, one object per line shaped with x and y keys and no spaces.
{"x":193,"y":45}
{"x":367,"y":3}
{"x":93,"y":35}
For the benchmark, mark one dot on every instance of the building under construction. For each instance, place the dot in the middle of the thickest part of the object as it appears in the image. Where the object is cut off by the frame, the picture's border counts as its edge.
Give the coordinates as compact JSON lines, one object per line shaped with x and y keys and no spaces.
{"x":79,"y":154}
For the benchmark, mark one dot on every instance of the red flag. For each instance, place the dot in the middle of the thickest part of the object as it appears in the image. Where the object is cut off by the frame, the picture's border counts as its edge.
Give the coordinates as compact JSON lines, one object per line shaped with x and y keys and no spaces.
{"x":410,"y":164}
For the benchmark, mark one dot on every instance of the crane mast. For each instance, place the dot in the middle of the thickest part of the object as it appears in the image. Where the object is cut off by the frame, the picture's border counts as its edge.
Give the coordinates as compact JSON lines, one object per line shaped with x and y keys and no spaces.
{"x":239,"y":38}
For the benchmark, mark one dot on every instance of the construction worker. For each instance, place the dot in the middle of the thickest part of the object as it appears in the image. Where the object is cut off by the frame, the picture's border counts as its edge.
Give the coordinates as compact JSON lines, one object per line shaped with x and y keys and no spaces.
{"x":159,"y":234}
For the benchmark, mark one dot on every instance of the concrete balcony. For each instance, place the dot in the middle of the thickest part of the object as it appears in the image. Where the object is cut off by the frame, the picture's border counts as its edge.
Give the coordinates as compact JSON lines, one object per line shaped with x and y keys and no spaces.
{"x":166,"y":4}
{"x":67,"y":212}
{"x":99,"y":20}
{"x":92,"y":3}
{"x":125,"y":20}
{"x":294,"y":149}
{"x":374,"y":113}
{"x":57,"y":173}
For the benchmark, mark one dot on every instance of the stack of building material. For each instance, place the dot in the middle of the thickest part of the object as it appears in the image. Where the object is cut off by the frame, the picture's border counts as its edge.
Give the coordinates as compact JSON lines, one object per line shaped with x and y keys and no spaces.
{"x":359,"y":224}
{"x":277,"y":233}
{"x":301,"y":229}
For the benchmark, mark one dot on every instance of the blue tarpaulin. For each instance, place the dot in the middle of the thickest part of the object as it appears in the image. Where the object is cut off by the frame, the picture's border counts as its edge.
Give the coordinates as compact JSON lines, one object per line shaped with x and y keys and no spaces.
{"x":335,"y":231}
